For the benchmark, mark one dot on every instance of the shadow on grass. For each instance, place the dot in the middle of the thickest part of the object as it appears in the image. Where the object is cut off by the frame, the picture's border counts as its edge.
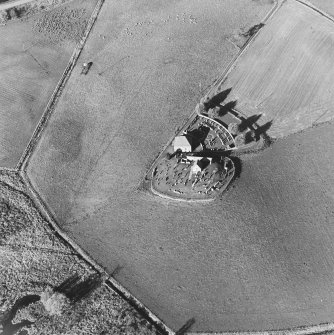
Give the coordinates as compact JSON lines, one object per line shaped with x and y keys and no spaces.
{"x":117,"y":270}
{"x":228,"y":106}
{"x":253,"y":30}
{"x":237,"y":165}
{"x":217,"y":99}
{"x":76,"y":289}
{"x":262,"y":130}
{"x":249,"y":122}
{"x":185,"y":327}
{"x":6,"y":320}
{"x":197,"y":136}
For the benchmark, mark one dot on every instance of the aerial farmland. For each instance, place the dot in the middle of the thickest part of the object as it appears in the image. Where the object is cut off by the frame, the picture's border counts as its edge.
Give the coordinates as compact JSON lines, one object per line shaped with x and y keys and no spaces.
{"x":105,"y":167}
{"x":34,"y":54}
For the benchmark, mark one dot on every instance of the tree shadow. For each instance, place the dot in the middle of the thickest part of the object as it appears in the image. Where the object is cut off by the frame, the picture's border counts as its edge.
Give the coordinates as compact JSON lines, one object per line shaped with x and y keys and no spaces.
{"x":250,"y":137}
{"x":67,"y":285}
{"x":117,"y":270}
{"x":237,"y":165}
{"x":186,"y":327}
{"x":76,"y":289}
{"x":8,"y":328}
{"x":262,"y":130}
{"x":197,"y":136}
{"x":228,"y":106}
{"x":217,"y":99}
{"x":249,"y":122}
{"x":253,"y":30}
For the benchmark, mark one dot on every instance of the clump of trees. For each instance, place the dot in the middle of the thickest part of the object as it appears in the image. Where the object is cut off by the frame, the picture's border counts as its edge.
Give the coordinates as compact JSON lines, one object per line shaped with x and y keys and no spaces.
{"x":213,"y":112}
{"x":233,"y":128}
{"x":240,"y":140}
{"x":250,"y":136}
{"x":200,"y":108}
{"x":253,"y":30}
{"x":55,"y":303}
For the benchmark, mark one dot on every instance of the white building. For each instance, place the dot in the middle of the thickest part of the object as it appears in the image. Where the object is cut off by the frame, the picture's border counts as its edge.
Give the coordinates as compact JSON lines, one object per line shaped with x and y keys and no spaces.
{"x":182,"y":143}
{"x":200,"y":163}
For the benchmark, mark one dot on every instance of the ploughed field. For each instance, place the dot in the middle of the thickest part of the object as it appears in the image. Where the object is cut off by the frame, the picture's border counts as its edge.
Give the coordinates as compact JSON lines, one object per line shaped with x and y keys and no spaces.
{"x":34,"y":53}
{"x":262,"y":258}
{"x":287,"y":73}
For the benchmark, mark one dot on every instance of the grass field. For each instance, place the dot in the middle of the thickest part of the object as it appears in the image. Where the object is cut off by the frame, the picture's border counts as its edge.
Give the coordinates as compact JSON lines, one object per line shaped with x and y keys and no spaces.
{"x":151,"y":63}
{"x":34,"y":54}
{"x":287,"y":72}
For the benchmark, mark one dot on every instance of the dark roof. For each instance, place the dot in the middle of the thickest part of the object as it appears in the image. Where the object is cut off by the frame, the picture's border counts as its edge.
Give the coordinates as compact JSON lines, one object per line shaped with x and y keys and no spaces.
{"x":203,"y":163}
